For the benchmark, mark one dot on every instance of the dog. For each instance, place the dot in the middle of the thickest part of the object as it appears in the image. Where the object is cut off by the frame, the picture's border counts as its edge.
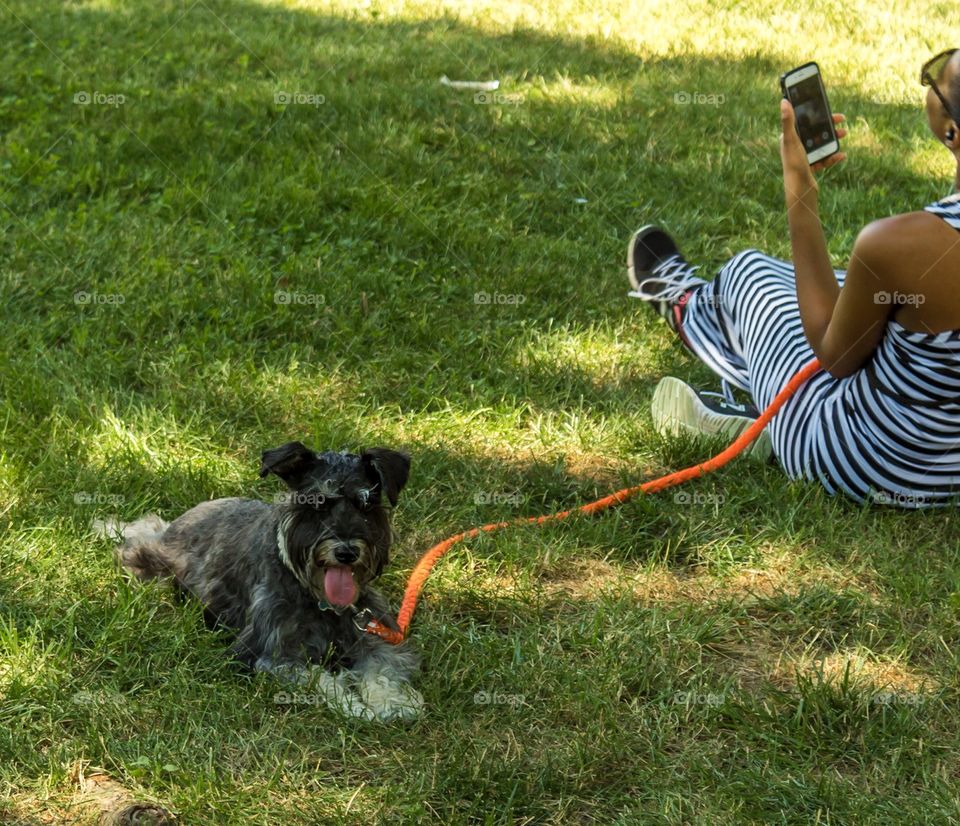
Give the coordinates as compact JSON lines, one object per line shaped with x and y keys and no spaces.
{"x":292,"y":580}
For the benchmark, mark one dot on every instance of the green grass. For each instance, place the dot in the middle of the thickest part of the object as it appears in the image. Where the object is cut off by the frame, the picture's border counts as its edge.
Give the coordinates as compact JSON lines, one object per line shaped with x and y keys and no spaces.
{"x":764,"y":654}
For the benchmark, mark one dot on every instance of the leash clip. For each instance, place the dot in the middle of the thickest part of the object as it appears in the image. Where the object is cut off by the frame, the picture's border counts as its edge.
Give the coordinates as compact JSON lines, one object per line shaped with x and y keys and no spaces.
{"x":362,"y":620}
{"x":366,"y":622}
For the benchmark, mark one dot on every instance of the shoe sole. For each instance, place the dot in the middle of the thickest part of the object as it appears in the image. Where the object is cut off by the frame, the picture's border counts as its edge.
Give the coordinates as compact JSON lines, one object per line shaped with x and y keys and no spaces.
{"x":677,"y":410}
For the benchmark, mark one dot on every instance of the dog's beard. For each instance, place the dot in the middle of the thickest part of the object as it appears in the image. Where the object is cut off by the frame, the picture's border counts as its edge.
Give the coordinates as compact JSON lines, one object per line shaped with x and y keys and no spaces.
{"x":319,"y":572}
{"x":339,"y":583}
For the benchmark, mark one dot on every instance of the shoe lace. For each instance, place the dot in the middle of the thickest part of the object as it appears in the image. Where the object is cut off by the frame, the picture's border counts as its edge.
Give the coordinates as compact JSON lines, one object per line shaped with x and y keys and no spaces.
{"x":726,"y":397}
{"x":727,"y":389}
{"x":670,"y":279}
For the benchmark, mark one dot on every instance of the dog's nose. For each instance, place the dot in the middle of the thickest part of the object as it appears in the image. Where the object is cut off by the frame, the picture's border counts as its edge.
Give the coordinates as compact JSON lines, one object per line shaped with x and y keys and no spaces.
{"x":345,"y":554}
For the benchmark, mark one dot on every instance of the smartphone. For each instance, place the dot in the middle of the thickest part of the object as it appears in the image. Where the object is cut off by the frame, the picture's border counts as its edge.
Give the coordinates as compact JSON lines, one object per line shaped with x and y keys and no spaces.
{"x":803,"y":87}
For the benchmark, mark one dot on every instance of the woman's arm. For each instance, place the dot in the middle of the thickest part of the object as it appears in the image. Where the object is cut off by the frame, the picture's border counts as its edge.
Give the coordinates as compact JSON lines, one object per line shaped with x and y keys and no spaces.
{"x":843,"y":327}
{"x":817,"y":287}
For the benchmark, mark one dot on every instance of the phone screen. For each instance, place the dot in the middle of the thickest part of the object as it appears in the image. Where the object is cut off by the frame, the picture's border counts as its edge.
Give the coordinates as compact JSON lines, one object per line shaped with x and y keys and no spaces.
{"x":813,"y":116}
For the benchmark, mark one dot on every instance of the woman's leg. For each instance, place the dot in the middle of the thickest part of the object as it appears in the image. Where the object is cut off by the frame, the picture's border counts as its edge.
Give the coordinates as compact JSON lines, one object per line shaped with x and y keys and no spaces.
{"x":745,"y":325}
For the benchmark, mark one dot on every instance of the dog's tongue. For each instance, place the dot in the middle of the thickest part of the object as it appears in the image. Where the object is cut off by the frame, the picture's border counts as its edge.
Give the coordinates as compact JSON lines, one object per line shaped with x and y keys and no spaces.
{"x":339,"y":587}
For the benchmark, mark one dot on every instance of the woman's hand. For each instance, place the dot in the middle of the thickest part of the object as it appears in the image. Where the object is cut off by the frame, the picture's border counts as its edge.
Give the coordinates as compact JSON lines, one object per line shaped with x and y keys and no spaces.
{"x":799,"y":184}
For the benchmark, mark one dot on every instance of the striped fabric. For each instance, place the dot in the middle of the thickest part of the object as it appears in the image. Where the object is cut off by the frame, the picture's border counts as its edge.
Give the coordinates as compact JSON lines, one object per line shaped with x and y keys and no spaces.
{"x":947,"y":209}
{"x":888,"y":434}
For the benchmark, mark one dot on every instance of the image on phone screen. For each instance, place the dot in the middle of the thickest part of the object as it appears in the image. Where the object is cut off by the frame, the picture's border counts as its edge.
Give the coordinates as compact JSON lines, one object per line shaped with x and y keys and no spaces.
{"x":813,"y":118}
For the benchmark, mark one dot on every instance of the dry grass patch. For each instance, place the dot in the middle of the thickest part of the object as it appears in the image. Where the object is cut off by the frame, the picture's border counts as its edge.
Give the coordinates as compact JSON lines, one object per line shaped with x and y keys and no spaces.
{"x":782,"y":573}
{"x":881,"y":675}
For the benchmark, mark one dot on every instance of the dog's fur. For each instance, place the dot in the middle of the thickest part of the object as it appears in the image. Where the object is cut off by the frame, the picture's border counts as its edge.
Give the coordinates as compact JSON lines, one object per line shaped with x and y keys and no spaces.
{"x":260,"y":570}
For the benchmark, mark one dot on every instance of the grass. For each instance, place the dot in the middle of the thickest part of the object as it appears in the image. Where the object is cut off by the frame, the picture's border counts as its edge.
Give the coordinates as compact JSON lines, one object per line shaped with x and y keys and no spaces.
{"x":758,"y":653}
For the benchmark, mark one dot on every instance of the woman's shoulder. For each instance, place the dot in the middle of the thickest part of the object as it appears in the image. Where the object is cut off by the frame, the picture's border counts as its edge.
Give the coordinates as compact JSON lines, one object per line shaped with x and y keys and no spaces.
{"x":904,"y":236}
{"x":904,"y":223}
{"x":914,"y":258}
{"x":922,"y":225}
{"x":902,"y":249}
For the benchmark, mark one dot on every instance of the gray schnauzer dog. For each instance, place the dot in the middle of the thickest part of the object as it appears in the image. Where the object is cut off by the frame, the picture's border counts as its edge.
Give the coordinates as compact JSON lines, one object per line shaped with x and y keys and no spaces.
{"x":293,"y":579}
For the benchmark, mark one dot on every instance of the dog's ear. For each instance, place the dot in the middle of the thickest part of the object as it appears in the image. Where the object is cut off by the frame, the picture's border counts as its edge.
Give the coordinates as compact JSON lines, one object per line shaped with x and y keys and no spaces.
{"x":290,"y":462}
{"x":389,"y":468}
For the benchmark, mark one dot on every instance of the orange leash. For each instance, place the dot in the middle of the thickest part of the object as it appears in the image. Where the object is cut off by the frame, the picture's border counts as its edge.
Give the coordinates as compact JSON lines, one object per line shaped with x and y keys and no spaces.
{"x":422,"y":570}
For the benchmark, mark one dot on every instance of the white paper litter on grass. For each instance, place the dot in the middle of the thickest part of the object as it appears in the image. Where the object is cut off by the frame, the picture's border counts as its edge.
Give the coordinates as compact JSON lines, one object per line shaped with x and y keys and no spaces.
{"x":473,"y":85}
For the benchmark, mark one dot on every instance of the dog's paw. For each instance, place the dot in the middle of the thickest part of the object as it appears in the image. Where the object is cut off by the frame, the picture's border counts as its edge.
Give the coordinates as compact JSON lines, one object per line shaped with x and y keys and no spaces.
{"x":390,"y":699}
{"x":334,"y":690}
{"x":109,"y":528}
{"x":338,"y":695}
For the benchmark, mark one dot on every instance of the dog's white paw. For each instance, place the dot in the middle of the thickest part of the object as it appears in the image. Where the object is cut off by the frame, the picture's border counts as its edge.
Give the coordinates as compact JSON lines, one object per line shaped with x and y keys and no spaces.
{"x":338,"y":695}
{"x":390,"y":699}
{"x":109,"y":528}
{"x":334,"y":690}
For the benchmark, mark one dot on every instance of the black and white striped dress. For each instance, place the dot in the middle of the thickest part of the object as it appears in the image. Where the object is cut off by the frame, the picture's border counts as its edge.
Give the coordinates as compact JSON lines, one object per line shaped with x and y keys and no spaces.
{"x":890,"y":433}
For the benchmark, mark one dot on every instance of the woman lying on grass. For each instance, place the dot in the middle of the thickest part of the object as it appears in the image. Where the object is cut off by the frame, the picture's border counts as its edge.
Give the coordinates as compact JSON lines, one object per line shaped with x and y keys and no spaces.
{"x":882,"y":421}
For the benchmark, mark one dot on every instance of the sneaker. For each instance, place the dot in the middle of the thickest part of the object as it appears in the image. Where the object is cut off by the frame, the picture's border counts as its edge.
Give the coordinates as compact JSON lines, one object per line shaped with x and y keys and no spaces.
{"x":677,"y":409}
{"x":659,"y":274}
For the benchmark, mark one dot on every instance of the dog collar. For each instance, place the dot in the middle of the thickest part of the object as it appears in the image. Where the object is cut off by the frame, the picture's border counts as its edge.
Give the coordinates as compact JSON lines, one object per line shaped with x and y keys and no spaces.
{"x":325,"y":605}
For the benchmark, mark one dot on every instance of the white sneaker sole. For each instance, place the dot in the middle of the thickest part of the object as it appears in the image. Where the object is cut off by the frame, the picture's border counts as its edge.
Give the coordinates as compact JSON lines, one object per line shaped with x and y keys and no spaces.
{"x":631,"y":274}
{"x":677,"y":410}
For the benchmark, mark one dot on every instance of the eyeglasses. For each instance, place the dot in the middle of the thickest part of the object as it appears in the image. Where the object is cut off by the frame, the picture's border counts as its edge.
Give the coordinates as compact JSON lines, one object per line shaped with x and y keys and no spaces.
{"x":932,"y":70}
